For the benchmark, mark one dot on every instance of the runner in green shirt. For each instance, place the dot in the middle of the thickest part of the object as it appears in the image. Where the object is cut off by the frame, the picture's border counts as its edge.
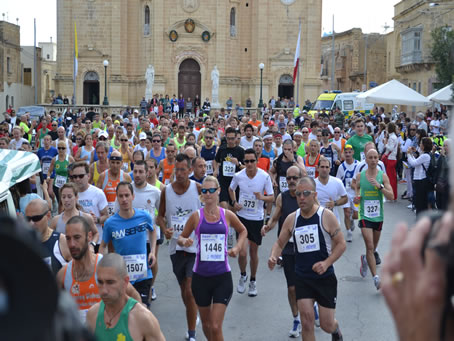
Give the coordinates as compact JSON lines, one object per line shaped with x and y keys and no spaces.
{"x":373,"y":185}
{"x":359,"y":140}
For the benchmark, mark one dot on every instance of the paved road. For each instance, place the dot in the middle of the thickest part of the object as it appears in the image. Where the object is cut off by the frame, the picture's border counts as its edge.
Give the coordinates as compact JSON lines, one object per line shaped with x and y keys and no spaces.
{"x":361,"y":310}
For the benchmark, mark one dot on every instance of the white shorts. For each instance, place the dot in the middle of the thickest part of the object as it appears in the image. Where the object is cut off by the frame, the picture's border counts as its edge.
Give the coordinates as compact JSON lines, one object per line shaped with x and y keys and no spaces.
{"x":350,"y":203}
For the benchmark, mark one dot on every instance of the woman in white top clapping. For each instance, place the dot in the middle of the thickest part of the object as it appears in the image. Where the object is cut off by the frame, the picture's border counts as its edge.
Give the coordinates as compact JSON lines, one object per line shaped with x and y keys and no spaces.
{"x":391,"y":145}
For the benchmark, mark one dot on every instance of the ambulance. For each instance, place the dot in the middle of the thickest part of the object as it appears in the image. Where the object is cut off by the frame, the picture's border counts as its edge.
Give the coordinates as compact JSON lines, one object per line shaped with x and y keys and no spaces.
{"x":345,"y":101}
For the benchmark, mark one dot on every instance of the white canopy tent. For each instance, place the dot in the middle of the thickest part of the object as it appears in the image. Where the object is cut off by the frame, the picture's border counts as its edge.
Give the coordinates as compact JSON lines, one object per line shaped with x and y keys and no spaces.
{"x":394,"y":92}
{"x":442,"y":96}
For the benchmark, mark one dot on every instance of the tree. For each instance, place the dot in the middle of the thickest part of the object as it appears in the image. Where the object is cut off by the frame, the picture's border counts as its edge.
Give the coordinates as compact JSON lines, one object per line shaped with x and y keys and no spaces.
{"x":443,"y":55}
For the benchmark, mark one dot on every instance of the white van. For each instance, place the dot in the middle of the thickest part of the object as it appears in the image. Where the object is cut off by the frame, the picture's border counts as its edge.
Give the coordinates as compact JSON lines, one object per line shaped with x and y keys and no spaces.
{"x":15,"y":166}
{"x":345,"y":101}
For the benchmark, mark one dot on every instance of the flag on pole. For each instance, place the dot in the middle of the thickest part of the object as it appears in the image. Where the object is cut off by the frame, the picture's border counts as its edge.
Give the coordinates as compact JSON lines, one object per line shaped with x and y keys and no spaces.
{"x":297,"y":57}
{"x":76,"y":52}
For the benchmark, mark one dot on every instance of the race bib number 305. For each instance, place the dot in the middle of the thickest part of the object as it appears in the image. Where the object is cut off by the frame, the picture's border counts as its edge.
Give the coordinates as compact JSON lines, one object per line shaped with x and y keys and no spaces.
{"x":136,"y":265}
{"x":306,"y":238}
{"x":371,"y":208}
{"x":212,"y":247}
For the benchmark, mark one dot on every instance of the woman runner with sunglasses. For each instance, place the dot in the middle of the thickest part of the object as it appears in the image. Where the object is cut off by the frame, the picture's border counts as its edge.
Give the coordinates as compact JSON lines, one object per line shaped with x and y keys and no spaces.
{"x":212,"y":284}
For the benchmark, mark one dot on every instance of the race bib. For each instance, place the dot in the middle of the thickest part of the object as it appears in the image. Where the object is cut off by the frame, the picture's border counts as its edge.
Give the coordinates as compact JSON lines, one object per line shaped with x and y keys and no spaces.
{"x":348,"y":183}
{"x":228,"y":168}
{"x":177,"y":223}
{"x":212,"y":247}
{"x":125,"y":167}
{"x":46,"y":166}
{"x":310,"y":172}
{"x":136,"y":265}
{"x":110,"y":208}
{"x":209,"y":167}
{"x":306,"y":238}
{"x":60,"y":180}
{"x":363,"y":156}
{"x":249,"y":203}
{"x":231,"y":237}
{"x":283,"y":185}
{"x":371,"y":208}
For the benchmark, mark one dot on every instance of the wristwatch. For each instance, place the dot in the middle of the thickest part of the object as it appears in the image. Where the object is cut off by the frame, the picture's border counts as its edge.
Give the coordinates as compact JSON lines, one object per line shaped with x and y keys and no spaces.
{"x":93,"y":243}
{"x":381,"y":187}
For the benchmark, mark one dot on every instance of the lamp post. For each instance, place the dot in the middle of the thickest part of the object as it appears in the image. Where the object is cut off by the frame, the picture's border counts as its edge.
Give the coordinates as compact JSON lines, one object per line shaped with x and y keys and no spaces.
{"x":106,"y":64}
{"x":261,"y":67}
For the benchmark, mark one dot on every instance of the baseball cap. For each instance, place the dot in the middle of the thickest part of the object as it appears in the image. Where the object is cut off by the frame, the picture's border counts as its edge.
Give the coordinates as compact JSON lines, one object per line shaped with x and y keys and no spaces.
{"x":348,"y":146}
{"x":117,"y":122}
{"x":271,"y":123}
{"x":281,"y":125}
{"x":103,"y":133}
{"x":142,"y":136}
{"x":136,"y":111}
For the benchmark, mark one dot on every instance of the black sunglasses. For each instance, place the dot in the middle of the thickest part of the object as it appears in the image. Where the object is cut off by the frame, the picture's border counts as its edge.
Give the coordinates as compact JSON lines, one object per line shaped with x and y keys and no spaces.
{"x":122,"y":140}
{"x":157,"y":141}
{"x":61,"y":148}
{"x":249,"y":161}
{"x":292,"y":178}
{"x":36,"y":218}
{"x":75,"y":176}
{"x":305,"y":193}
{"x":206,"y":190}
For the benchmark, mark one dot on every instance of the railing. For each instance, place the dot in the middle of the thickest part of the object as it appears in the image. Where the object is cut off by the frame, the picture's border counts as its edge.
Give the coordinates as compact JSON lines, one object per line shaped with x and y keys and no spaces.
{"x":110,"y":109}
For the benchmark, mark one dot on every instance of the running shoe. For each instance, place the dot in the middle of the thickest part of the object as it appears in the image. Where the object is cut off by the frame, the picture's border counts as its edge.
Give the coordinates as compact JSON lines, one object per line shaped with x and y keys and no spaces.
{"x":317,"y":317}
{"x":349,"y":236}
{"x":377,"y":282}
{"x":296,"y":329}
{"x":377,"y":258}
{"x":153,"y":294}
{"x":252,"y":289}
{"x":352,"y":225}
{"x":410,"y":206}
{"x":337,"y":336}
{"x":363,"y":268}
{"x":241,"y":288}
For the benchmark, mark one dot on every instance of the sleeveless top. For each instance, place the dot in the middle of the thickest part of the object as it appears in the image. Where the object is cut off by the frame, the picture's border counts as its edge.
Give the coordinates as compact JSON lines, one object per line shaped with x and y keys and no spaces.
{"x":212,"y":257}
{"x":269,"y":154}
{"x":61,"y":225}
{"x":161,"y":156}
{"x":311,"y":169}
{"x":61,"y":172}
{"x":86,"y":294}
{"x":95,"y":173}
{"x":281,"y":171}
{"x":371,"y":204}
{"x":328,"y":152}
{"x":178,"y":144}
{"x":120,"y":332}
{"x":348,"y":174}
{"x":52,"y":253}
{"x":208,"y":155}
{"x":167,"y":173}
{"x":312,"y":245}
{"x":289,"y":205}
{"x":126,"y":165}
{"x":109,"y":187}
{"x":84,"y":152}
{"x":178,"y":210}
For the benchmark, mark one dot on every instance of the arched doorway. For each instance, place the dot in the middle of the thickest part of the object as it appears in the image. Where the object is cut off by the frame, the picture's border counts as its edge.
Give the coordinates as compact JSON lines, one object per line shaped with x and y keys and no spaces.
{"x":285,"y":86}
{"x":91,"y":88}
{"x":189,"y":79}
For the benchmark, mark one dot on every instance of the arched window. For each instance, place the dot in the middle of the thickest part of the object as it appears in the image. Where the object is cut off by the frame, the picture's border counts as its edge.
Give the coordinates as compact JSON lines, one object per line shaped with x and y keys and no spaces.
{"x":232,"y":22}
{"x":146,"y":26}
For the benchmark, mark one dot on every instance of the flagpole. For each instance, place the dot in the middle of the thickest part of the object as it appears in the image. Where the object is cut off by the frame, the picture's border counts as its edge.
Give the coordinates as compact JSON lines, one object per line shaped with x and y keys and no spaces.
{"x":35,"y":80}
{"x":75,"y":65}
{"x":298,"y":76}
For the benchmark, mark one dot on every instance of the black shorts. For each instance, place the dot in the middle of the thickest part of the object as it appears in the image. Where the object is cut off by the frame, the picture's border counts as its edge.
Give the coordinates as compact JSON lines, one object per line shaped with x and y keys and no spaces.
{"x":182,"y":265}
{"x":143,"y":288}
{"x":374,"y":225}
{"x":253,"y":228}
{"x":224,"y":195}
{"x":322,"y":290}
{"x":212,"y":289}
{"x":289,"y":269}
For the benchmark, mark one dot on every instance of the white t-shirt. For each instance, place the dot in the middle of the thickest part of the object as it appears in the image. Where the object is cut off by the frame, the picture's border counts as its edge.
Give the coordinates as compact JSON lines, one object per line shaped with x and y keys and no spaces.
{"x":147,"y":199}
{"x":435,"y":126}
{"x":332,"y":191}
{"x":143,"y":149}
{"x":247,"y":144}
{"x":93,"y":200}
{"x":252,"y":207}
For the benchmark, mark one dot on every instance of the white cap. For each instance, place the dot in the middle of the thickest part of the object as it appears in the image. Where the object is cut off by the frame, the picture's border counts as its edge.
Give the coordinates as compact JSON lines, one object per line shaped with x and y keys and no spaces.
{"x":103,"y":133}
{"x":142,"y":136}
{"x":136,"y":111}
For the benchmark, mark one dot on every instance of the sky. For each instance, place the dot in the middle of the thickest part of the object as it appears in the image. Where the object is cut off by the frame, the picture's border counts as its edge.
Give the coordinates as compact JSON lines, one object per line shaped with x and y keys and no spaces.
{"x":369,"y":15}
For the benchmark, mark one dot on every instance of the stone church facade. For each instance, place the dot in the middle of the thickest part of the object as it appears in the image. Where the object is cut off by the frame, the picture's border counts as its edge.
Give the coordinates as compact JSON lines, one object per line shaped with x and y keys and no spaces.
{"x":184,"y":40}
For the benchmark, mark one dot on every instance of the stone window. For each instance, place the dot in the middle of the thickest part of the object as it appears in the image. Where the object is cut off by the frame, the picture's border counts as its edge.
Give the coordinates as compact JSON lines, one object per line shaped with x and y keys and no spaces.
{"x":411,"y":46}
{"x":12,"y":101}
{"x":7,"y":101}
{"x":8,"y":64}
{"x":146,"y":26}
{"x":232,"y":22}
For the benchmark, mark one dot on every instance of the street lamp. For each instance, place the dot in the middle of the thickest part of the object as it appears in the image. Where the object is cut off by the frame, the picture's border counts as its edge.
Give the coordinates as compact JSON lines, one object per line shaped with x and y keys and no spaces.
{"x":261,"y":67}
{"x":106,"y":64}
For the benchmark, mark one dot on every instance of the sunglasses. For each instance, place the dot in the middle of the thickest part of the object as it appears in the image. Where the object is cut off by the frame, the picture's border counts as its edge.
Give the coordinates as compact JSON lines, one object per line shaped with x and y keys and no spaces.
{"x":249,"y":161}
{"x":76,"y":176}
{"x":337,"y":132}
{"x":305,"y":132}
{"x":102,"y":138}
{"x":305,"y":193}
{"x":36,"y":218}
{"x":325,"y":134}
{"x":157,"y":141}
{"x":61,"y":148}
{"x":292,"y":178}
{"x":124,"y":140}
{"x":208,"y":137}
{"x":211,"y":190}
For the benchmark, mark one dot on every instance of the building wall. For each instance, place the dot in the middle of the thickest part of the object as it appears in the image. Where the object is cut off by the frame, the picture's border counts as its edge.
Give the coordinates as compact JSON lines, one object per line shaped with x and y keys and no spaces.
{"x":114,"y":30}
{"x":349,"y":50}
{"x":28,"y":62}
{"x":48,"y":51}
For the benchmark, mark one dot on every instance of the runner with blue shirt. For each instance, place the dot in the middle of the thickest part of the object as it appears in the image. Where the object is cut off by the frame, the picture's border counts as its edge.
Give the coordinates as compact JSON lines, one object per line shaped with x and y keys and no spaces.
{"x":127,"y":230}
